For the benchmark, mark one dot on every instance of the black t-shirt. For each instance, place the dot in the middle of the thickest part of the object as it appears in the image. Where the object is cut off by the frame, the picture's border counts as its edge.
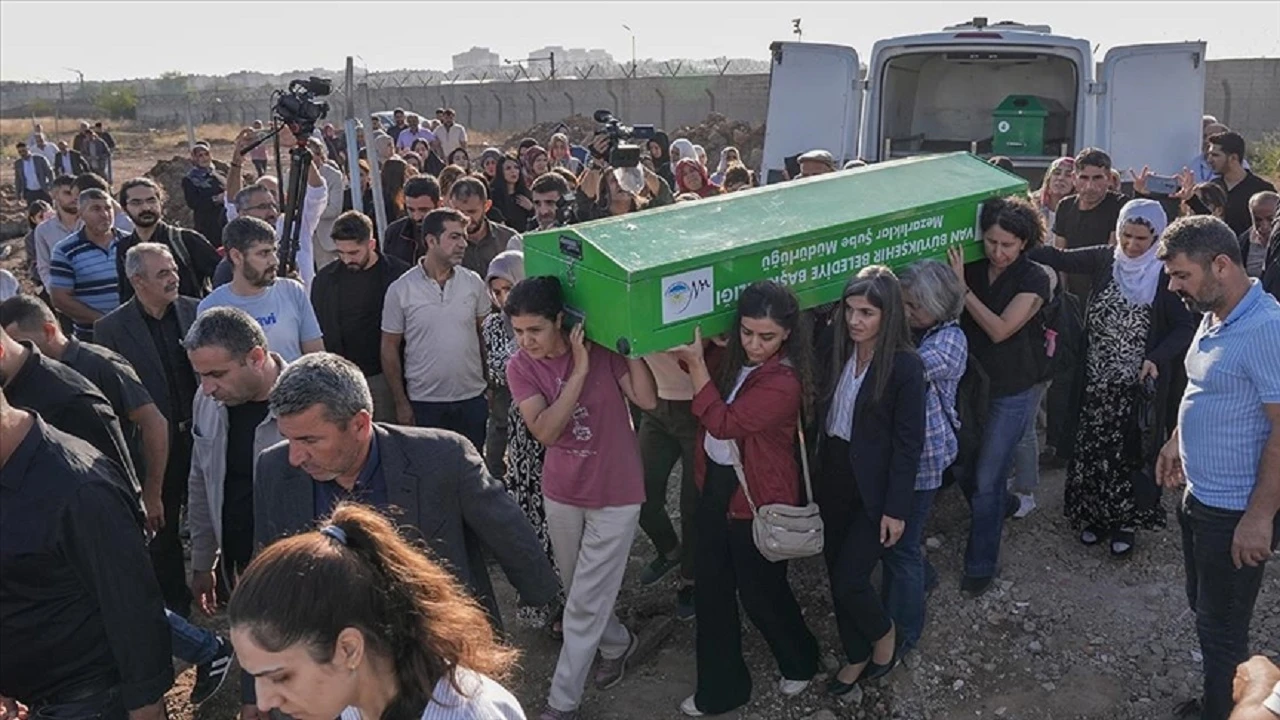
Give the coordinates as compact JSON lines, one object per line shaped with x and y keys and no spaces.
{"x":237,"y":493}
{"x":1013,"y":364}
{"x":360,"y":319}
{"x":1238,"y":215}
{"x":118,"y":381}
{"x":180,"y":378}
{"x":1086,"y":228}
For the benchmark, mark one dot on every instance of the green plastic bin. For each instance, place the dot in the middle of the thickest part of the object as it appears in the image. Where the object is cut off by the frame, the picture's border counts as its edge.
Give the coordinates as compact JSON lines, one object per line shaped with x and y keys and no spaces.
{"x":643,"y":281}
{"x":1025,"y":123}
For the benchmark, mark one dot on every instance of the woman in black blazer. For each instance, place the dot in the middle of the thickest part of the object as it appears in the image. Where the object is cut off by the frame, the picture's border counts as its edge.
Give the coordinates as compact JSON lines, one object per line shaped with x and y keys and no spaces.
{"x":1136,"y":335}
{"x":872,"y":435}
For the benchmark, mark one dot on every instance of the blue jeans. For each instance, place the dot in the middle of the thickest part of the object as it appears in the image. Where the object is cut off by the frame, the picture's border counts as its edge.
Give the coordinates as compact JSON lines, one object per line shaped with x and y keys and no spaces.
{"x":1221,"y":596}
{"x":191,"y":644}
{"x":903,"y":569}
{"x":465,"y":417}
{"x":1026,"y":456}
{"x":1006,"y":424}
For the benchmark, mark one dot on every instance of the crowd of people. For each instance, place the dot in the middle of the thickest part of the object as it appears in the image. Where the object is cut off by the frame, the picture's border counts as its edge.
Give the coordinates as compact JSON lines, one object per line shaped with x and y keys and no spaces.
{"x":420,"y":377}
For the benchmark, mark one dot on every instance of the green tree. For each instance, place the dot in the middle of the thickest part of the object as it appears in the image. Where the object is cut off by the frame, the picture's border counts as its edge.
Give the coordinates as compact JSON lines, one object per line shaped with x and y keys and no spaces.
{"x":118,"y":103}
{"x":171,"y":82}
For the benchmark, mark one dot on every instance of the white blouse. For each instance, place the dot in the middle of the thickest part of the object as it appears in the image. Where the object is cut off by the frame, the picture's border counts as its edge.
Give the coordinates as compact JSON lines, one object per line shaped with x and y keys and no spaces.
{"x":723,"y":451}
{"x":840,"y":416}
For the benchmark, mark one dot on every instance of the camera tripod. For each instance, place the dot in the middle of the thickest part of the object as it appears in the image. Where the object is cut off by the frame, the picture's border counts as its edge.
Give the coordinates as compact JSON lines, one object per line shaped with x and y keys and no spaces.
{"x":294,"y":195}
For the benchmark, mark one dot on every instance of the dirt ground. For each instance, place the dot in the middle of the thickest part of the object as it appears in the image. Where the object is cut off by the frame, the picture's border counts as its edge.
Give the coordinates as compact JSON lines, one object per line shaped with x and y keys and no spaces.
{"x":1067,"y":633}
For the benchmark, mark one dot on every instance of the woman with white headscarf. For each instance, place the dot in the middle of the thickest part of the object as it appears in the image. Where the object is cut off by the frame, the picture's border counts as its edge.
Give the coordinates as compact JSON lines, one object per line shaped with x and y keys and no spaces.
{"x":1136,"y":334}
{"x":728,"y":156}
{"x":682,"y":149}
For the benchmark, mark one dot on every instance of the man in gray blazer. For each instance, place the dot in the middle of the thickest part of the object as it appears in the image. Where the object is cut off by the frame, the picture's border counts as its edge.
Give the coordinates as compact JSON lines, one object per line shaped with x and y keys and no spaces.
{"x":432,"y":482}
{"x":32,"y":175}
{"x":147,"y":331}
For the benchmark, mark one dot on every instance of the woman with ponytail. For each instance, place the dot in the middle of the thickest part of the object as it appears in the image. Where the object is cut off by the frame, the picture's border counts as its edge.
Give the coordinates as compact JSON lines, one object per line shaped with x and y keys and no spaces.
{"x":353,"y":622}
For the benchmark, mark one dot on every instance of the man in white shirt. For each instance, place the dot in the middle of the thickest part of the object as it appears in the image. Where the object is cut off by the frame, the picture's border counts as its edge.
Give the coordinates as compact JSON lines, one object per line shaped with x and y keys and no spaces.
{"x":66,"y":205}
{"x":323,"y":246}
{"x":43,"y":147}
{"x":436,"y":309}
{"x":452,"y":135}
{"x":32,"y":175}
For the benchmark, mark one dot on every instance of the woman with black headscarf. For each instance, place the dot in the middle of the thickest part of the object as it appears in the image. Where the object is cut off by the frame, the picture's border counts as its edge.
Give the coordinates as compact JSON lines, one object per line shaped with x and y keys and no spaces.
{"x":659,"y":149}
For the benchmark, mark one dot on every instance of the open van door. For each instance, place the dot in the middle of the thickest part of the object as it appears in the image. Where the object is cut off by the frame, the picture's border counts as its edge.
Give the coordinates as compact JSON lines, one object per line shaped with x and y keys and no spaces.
{"x":815,"y":103}
{"x":1150,"y":103}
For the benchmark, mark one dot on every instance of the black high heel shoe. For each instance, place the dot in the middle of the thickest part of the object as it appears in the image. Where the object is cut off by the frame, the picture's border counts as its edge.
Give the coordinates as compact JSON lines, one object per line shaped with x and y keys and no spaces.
{"x":875,"y":670}
{"x":838,"y":688}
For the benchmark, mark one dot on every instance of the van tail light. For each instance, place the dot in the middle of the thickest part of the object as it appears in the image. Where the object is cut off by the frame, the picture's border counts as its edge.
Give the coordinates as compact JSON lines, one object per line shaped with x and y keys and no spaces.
{"x":978,"y":36}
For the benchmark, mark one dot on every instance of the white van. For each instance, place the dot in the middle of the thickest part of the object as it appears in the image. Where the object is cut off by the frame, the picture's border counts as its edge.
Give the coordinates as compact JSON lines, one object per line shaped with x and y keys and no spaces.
{"x":939,"y":92}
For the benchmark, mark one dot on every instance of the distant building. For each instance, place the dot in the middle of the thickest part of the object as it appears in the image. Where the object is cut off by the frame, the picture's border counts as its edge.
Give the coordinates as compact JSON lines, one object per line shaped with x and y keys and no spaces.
{"x":476,"y":58}
{"x":573,"y":56}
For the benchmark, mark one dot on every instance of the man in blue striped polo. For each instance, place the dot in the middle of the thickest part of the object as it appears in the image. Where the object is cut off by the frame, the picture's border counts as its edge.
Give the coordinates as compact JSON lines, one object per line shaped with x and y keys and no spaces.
{"x":82,"y":269}
{"x":1226,"y":448}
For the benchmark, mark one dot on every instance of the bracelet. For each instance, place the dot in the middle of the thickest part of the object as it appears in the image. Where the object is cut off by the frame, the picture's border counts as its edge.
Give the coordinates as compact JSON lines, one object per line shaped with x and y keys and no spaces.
{"x":239,"y":164}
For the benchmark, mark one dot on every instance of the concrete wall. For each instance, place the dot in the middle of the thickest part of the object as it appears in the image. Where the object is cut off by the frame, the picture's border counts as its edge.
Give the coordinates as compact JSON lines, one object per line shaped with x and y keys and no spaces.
{"x":1245,"y":95}
{"x":509,"y":107}
{"x":1241,"y":93}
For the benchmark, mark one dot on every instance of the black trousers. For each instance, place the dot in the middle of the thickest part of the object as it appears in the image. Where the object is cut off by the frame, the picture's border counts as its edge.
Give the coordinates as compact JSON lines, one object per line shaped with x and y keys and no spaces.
{"x":729,"y":568}
{"x":166,"y":546}
{"x":852,"y":549}
{"x":667,"y":434}
{"x":1221,"y":596}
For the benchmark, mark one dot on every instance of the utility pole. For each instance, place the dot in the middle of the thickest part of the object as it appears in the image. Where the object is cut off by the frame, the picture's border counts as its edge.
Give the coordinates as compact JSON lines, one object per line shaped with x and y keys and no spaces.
{"x":633,"y":48}
{"x":349,"y":130}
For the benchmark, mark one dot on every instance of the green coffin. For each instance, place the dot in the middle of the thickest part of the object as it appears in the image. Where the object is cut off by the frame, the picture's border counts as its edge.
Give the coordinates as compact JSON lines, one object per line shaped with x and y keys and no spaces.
{"x":643,"y":281}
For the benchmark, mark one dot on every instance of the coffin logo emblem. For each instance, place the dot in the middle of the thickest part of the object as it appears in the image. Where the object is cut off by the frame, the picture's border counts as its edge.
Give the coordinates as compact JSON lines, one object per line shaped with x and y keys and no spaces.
{"x":687,"y":295}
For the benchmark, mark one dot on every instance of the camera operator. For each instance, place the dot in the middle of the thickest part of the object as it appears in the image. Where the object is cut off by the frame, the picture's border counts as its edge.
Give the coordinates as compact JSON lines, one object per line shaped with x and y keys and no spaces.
{"x":553,"y":202}
{"x":605,"y":197}
{"x":267,"y":208}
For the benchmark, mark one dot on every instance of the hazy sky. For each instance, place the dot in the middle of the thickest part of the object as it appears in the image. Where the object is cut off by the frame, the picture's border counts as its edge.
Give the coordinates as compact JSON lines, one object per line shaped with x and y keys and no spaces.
{"x":114,"y":40}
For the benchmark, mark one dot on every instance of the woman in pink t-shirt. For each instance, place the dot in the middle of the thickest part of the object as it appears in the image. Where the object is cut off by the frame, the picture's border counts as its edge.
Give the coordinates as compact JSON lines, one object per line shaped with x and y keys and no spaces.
{"x":573,"y":396}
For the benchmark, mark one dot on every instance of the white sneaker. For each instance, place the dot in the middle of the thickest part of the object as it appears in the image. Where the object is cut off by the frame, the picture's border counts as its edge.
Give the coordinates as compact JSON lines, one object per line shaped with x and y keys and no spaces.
{"x":1026,"y":504}
{"x":690,"y":708}
{"x":792,"y":687}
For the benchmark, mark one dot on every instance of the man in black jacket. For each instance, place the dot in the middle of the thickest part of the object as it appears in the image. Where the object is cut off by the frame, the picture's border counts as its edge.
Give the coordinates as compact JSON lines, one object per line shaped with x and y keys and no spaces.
{"x":348,"y":297}
{"x":403,"y":238}
{"x":144,"y":201}
{"x":434,"y":481}
{"x":205,"y":190}
{"x":69,"y":161}
{"x":83,"y":627}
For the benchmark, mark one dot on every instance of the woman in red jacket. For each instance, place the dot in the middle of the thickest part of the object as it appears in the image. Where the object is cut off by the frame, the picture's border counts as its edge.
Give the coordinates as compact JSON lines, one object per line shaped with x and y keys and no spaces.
{"x":748,"y":398}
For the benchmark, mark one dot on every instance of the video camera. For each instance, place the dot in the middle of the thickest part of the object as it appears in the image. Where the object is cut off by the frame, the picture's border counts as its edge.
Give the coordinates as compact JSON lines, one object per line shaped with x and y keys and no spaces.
{"x":621,"y":154}
{"x":298,"y":108}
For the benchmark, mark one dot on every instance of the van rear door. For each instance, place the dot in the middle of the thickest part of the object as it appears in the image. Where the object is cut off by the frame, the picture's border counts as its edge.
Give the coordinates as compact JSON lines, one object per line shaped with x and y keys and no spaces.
{"x":1150,"y":102}
{"x":815,"y":103}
